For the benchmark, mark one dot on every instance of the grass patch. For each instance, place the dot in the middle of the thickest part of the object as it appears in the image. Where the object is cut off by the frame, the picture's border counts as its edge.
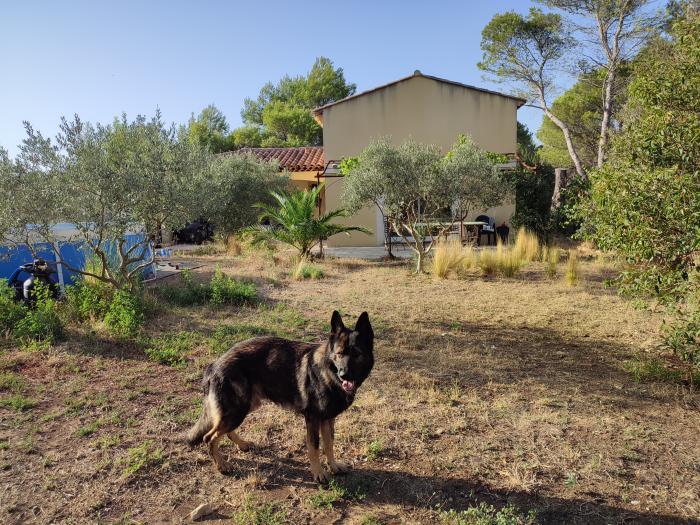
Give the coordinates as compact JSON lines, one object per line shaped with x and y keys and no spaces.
{"x":335,"y":493}
{"x":171,"y":349}
{"x":90,"y":428}
{"x":253,"y":513}
{"x":11,"y":382}
{"x":527,"y":245}
{"x":304,"y":270}
{"x":654,"y":370}
{"x":550,"y":256}
{"x":18,"y":402}
{"x":374,"y":449}
{"x":221,"y":290}
{"x":224,"y":337}
{"x":485,"y":514}
{"x":140,"y":458}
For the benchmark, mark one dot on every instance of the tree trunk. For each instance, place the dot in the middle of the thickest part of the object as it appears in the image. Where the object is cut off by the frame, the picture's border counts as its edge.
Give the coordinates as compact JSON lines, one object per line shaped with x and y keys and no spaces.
{"x":607,"y":110}
{"x":578,"y":165}
{"x":420,"y":261}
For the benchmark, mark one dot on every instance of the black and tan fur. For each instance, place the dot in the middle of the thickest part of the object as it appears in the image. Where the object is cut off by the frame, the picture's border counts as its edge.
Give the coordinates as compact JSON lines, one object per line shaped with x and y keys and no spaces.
{"x":318,"y":381}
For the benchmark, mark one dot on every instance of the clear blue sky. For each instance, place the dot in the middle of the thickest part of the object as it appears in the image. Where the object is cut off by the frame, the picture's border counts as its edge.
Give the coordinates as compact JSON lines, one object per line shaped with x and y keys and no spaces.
{"x":99,"y":58}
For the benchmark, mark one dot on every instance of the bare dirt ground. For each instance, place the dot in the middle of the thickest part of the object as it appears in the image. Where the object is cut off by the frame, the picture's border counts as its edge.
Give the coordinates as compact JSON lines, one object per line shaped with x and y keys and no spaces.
{"x":484,"y":390}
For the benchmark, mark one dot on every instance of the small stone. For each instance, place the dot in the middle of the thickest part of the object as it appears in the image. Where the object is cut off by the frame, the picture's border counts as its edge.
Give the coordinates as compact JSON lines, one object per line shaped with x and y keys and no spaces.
{"x":203,"y":510}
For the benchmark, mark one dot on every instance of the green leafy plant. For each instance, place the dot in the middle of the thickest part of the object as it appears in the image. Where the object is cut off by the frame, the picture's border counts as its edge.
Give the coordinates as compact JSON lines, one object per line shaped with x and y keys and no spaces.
{"x":295,"y":221}
{"x":40,"y":323}
{"x":226,"y":290}
{"x":124,"y":316}
{"x":485,"y":514}
{"x":87,"y":300}
{"x":11,"y":312}
{"x":304,"y":270}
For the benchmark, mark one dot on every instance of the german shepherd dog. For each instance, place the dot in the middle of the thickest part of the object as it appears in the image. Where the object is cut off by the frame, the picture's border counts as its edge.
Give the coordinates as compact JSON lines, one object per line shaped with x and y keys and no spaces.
{"x":318,"y":381}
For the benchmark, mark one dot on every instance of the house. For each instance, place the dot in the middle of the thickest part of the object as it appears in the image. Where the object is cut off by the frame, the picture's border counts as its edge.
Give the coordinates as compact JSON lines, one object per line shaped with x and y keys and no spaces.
{"x":425,"y":108}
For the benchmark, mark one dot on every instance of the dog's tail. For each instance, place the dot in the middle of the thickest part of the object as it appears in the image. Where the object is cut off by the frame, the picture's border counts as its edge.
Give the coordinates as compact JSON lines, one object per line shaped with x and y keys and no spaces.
{"x":195,"y":435}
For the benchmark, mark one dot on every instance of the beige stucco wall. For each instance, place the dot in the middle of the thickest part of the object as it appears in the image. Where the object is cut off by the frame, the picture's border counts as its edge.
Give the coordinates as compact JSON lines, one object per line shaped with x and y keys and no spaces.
{"x":420,"y":108}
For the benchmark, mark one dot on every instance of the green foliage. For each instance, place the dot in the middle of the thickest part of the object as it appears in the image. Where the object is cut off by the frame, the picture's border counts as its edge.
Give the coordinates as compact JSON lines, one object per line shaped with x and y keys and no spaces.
{"x":375,"y":449}
{"x":419,"y":190}
{"x":645,"y":202}
{"x":235,"y":183}
{"x":87,"y":300}
{"x":485,"y":514}
{"x":281,"y":115}
{"x":225,"y":290}
{"x":171,"y":349}
{"x":124,"y":316}
{"x":645,"y":370}
{"x":580,"y":107}
{"x":107,"y":181}
{"x":220,"y":290}
{"x":41,"y":322}
{"x":253,"y":513}
{"x":11,"y":312}
{"x":209,"y":131}
{"x":18,"y":402}
{"x":533,"y":198}
{"x":524,"y":49}
{"x":295,"y":221}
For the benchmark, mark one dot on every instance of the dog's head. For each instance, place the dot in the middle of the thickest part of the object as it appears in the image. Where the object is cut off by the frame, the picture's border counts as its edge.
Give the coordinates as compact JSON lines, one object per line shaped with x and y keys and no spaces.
{"x":351,"y":351}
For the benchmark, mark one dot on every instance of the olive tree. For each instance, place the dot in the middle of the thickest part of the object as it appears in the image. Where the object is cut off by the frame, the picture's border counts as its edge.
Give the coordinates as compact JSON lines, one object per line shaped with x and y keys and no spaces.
{"x":107,"y":181}
{"x":420,"y":191}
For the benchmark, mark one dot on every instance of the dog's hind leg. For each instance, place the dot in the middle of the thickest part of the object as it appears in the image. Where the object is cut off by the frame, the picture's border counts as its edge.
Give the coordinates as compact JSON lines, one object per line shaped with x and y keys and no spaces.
{"x":221,"y":464}
{"x":241,"y":443}
{"x":312,"y":445}
{"x":328,"y":438}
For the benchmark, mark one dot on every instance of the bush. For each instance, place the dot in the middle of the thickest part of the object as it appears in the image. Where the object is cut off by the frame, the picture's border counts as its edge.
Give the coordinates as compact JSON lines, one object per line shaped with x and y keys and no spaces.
{"x":40,"y":323}
{"x":551,"y":257}
{"x":485,"y":514}
{"x":124,"y":315}
{"x":87,"y":300}
{"x":11,"y":312}
{"x":527,"y":245}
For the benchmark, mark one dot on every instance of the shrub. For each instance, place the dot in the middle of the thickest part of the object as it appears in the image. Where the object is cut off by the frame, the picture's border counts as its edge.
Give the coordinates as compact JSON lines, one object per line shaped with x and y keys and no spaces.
{"x":225,"y":290}
{"x":485,"y":514}
{"x":87,"y":300}
{"x":303,"y":270}
{"x":40,"y":323}
{"x":124,"y":315}
{"x":11,"y":312}
{"x":683,"y":334}
{"x":572,"y":271}
{"x":488,"y":262}
{"x":448,"y":258}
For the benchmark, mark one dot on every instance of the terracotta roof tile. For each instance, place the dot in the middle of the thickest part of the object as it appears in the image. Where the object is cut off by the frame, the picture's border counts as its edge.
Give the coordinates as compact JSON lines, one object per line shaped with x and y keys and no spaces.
{"x":309,"y":158}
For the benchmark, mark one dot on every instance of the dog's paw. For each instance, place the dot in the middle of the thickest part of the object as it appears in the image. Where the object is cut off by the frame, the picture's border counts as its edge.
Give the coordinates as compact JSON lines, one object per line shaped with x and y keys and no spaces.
{"x":320,"y":476}
{"x":224,"y":467}
{"x":339,"y":467}
{"x":245,"y":446}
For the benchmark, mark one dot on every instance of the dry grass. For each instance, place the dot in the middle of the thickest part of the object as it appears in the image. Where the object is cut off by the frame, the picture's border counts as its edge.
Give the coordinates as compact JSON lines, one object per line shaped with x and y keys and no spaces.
{"x":484,"y":390}
{"x":572,"y":268}
{"x":447,"y":258}
{"x":234,"y":246}
{"x":527,"y":245}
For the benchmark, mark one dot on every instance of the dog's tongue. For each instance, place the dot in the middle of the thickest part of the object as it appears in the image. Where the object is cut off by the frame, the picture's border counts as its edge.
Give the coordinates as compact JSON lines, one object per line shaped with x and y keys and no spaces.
{"x":348,"y":386}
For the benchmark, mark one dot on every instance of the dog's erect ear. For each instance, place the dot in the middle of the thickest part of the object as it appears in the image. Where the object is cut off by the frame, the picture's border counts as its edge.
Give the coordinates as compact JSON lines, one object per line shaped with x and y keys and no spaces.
{"x":337,"y":325}
{"x":363,"y":326}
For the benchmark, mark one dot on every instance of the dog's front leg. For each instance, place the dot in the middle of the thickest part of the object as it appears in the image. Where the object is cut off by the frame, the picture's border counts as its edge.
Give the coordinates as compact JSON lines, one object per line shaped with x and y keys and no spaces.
{"x":328,"y":437}
{"x":312,"y":446}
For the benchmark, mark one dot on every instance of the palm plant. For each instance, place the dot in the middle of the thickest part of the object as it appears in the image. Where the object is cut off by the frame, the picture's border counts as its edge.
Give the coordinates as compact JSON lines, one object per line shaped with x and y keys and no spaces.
{"x":293,"y":221}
